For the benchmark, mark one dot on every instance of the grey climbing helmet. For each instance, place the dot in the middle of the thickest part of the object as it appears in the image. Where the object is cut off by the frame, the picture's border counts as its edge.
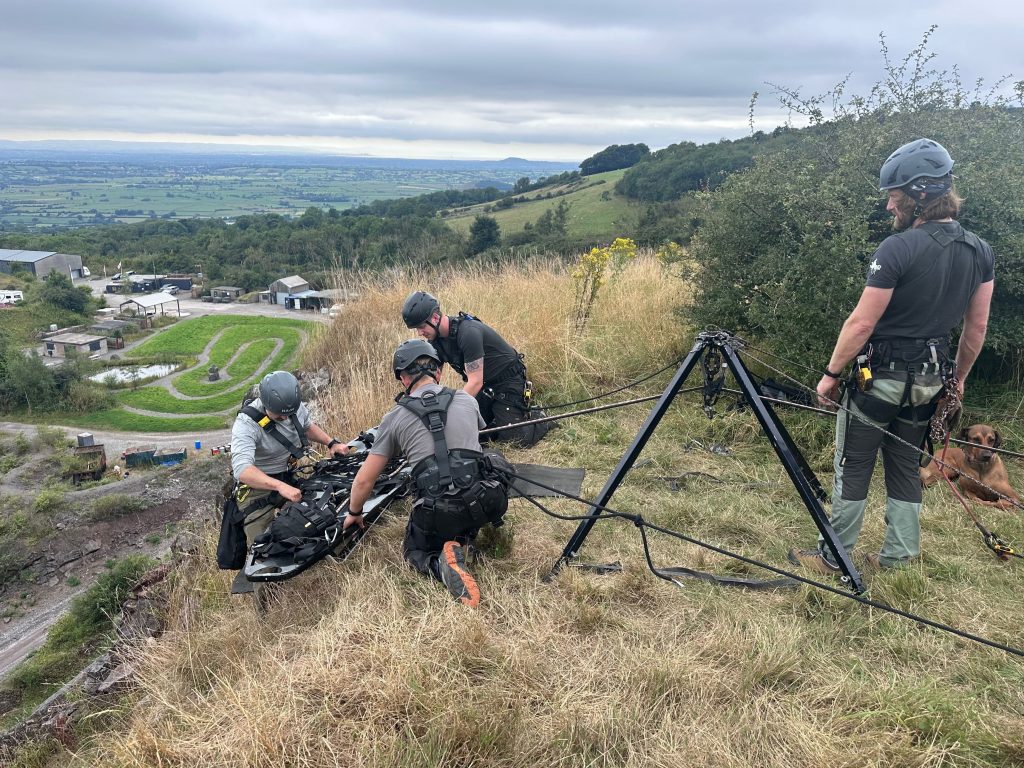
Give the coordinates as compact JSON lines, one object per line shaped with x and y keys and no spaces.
{"x":418,"y":308}
{"x":279,"y":392}
{"x":922,"y":165}
{"x":409,"y":352}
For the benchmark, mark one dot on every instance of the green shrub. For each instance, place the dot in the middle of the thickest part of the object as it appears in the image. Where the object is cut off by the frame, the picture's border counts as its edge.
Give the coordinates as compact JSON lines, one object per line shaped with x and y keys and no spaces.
{"x":22,"y":444}
{"x":784,"y":247}
{"x":47,"y":501}
{"x":116,"y":505}
{"x":51,"y":437}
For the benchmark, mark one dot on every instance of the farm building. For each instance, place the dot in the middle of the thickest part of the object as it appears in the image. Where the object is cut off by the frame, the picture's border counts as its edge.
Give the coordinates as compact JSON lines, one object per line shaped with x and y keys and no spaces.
{"x":281,"y":289}
{"x":40,"y":263}
{"x":80,"y":343}
{"x":226,"y":292}
{"x":317,"y":301}
{"x":143,"y":283}
{"x":181,"y":282}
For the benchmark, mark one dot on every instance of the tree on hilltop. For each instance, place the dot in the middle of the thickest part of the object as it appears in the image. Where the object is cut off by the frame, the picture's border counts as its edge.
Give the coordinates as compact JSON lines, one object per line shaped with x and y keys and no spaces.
{"x":613,"y":158}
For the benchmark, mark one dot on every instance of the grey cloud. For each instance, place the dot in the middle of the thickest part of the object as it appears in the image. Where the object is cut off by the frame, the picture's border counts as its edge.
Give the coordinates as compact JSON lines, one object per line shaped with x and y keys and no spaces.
{"x":568,"y":72}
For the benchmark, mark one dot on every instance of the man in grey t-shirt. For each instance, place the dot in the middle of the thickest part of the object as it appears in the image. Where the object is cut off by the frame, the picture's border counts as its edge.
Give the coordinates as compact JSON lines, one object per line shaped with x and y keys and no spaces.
{"x":921,"y":283}
{"x":261,"y":462}
{"x":402,"y":432}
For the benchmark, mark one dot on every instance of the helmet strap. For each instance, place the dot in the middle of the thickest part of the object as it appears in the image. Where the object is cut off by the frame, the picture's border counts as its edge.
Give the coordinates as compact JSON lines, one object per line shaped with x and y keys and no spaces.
{"x":418,"y":372}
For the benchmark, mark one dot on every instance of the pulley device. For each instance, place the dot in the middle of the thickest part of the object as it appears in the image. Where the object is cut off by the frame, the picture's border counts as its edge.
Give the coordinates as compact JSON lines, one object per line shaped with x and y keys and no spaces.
{"x":715,"y":351}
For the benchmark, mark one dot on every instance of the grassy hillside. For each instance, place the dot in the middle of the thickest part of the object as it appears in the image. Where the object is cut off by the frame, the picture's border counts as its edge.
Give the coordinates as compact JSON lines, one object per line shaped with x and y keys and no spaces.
{"x":596,"y":211}
{"x":366,"y":663}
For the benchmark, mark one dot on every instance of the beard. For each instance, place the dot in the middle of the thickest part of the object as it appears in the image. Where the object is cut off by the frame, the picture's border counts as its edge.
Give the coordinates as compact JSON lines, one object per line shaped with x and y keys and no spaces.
{"x":903,"y":214}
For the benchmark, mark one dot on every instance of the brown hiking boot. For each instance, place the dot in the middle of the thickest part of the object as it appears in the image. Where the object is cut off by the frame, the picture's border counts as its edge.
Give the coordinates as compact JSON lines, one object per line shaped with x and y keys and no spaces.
{"x":873,"y":563}
{"x":458,"y":580}
{"x":812,"y":560}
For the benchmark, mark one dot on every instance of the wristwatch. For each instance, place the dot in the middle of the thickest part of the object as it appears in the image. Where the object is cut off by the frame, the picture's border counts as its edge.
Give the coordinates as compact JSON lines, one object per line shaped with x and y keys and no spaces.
{"x":827,"y":373}
{"x":332,"y":442}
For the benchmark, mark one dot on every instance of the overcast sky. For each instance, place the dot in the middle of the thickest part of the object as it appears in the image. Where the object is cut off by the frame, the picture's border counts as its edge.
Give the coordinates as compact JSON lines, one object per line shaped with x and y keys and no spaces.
{"x":541,"y":79}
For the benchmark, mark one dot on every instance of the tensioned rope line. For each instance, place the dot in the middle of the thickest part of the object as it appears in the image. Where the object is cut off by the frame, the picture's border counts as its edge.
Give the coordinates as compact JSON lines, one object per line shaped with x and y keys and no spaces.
{"x":608,"y":513}
{"x":823,"y":412}
{"x":746,"y":345}
{"x":630,"y":385}
{"x":883,"y":430}
{"x":595,"y":409}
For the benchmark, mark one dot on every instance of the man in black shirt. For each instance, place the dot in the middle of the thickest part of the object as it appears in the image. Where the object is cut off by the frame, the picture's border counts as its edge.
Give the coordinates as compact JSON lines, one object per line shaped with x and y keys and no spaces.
{"x":921,"y":282}
{"x":492,"y":369}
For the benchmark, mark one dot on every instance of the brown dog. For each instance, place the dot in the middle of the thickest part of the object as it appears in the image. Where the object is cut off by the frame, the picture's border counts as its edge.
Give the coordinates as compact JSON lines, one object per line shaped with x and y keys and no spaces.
{"x":974,"y":465}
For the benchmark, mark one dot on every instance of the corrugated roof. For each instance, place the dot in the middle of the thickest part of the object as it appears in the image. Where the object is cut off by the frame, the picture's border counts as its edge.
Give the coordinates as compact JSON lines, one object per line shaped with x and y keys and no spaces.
{"x":303,"y":295}
{"x":293,"y":281}
{"x":151,"y":299}
{"x":25,"y":257}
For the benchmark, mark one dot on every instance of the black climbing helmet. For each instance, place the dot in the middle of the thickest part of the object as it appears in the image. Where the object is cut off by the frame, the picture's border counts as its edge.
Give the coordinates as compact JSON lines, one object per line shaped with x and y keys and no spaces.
{"x":418,"y":308}
{"x":922,"y":165}
{"x":409,"y":352}
{"x":279,"y":392}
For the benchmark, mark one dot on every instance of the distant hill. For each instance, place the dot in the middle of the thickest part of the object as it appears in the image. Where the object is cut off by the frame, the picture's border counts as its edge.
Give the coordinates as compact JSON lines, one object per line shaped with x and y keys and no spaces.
{"x":216,"y":154}
{"x":596,"y":212}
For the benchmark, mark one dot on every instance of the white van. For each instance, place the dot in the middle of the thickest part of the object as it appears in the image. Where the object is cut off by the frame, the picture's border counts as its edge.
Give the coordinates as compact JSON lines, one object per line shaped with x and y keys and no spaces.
{"x":86,"y":272}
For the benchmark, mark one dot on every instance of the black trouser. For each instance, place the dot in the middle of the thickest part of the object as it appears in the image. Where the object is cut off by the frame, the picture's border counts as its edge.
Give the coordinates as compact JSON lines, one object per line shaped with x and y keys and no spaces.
{"x":423,"y":545}
{"x":504,"y":403}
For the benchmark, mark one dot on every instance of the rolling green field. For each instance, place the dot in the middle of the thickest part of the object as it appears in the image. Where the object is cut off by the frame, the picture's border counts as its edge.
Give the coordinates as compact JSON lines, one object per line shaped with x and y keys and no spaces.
{"x":45,"y":193}
{"x":595,"y":211}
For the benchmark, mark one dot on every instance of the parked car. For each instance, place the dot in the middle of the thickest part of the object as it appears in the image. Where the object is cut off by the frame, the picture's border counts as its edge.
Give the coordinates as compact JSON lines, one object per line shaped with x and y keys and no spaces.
{"x":116,"y":276}
{"x":171,"y":289}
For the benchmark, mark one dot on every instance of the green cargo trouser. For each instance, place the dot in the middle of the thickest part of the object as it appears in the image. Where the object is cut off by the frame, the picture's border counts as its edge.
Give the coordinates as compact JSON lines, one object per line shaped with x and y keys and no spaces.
{"x":261,"y":509}
{"x":858,"y":440}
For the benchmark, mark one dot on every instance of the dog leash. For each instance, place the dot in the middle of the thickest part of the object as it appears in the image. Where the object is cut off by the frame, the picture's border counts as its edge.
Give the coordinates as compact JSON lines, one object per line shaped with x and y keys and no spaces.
{"x":999,"y":548}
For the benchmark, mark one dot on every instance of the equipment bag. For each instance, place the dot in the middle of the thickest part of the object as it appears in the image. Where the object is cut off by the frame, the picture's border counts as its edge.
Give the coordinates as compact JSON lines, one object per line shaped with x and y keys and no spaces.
{"x":300,"y":527}
{"x":231,"y":546}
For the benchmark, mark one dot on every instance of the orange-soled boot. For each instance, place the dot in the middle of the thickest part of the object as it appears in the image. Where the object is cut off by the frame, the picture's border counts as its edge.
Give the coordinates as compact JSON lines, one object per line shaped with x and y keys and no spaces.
{"x":456,"y":577}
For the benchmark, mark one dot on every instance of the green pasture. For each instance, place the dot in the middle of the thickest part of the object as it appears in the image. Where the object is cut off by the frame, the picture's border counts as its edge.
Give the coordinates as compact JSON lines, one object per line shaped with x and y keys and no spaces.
{"x":196,"y":383}
{"x":216,"y":401}
{"x":595,"y":211}
{"x":126,"y":421}
{"x":191,"y":336}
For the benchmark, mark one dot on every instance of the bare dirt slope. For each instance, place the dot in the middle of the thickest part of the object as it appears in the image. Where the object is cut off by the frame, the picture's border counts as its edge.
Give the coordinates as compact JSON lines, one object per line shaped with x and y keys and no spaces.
{"x":62,"y":556}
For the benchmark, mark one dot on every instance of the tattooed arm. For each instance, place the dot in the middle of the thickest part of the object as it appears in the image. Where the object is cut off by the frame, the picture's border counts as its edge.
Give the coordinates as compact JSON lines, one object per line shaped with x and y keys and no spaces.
{"x":474,"y":376}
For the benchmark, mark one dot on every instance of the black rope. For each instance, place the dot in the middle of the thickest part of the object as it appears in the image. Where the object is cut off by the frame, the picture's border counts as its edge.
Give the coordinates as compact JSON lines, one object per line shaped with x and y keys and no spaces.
{"x":673,"y":364}
{"x":607,"y":513}
{"x":748,"y":346}
{"x":595,"y":409}
{"x":883,"y":430}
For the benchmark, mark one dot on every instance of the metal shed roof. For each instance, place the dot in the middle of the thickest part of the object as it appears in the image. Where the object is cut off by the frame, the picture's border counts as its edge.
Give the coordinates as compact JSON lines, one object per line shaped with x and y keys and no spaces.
{"x":26,"y":257}
{"x":151,"y":299}
{"x":293,"y":281}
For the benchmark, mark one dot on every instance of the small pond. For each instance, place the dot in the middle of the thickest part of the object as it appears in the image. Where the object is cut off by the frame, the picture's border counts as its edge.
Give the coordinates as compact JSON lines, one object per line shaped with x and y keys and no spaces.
{"x":128,"y":373}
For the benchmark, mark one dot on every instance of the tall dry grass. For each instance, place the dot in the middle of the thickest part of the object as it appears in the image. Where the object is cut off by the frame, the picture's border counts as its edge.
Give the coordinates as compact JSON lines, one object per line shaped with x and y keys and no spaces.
{"x":368,"y":664}
{"x":633,"y":330}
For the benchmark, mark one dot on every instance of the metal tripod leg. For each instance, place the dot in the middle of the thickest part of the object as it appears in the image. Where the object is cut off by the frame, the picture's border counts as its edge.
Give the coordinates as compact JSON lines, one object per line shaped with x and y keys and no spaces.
{"x":792,"y":459}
